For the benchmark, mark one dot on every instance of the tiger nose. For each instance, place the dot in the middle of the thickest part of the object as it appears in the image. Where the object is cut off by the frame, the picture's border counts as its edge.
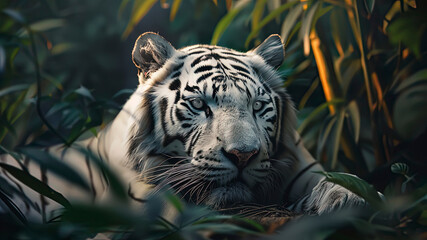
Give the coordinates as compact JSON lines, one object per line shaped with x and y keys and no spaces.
{"x":241,"y":159}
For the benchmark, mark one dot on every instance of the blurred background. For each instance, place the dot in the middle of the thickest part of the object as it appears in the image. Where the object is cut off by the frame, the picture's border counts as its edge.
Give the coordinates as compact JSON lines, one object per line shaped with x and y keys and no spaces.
{"x":356,"y":71}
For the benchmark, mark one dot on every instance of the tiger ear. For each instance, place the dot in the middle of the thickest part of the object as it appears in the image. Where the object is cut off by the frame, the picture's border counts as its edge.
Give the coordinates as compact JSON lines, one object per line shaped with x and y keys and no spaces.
{"x":150,"y":52}
{"x":271,"y":50}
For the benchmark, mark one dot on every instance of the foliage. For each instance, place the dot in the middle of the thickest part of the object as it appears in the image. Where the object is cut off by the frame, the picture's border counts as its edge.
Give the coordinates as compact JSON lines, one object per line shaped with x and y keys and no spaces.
{"x":356,"y":69}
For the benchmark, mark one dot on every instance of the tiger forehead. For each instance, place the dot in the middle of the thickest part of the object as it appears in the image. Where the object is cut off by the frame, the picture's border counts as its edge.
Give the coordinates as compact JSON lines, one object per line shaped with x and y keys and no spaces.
{"x":216,"y":72}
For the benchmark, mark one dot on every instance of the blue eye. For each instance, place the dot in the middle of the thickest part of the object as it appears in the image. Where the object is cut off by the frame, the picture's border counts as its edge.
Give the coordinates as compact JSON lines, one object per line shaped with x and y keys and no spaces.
{"x":197,"y":103}
{"x":258,"y":105}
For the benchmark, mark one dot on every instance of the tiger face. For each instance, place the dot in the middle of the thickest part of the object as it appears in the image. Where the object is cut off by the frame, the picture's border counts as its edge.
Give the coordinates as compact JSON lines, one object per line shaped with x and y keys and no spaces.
{"x":217,"y":121}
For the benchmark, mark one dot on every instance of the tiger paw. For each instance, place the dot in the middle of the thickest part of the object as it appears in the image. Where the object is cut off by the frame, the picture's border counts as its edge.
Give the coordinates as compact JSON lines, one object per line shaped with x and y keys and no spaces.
{"x":327,"y":196}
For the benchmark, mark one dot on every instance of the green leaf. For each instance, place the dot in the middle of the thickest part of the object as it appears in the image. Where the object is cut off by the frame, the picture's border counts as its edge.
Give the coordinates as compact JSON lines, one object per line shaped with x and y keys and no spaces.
{"x":114,"y":182}
{"x":123,"y":92}
{"x":12,"y":207}
{"x":409,"y":120}
{"x":139,"y":10}
{"x":13,"y":88}
{"x":226,"y":20}
{"x":96,"y":216}
{"x":400,"y":168}
{"x":356,"y":185}
{"x":290,"y":21}
{"x":409,"y":29}
{"x":176,"y":202}
{"x":54,"y":165}
{"x":369,"y":5}
{"x":419,"y":77}
{"x":14,"y":15}
{"x":84,"y":92}
{"x":46,"y":24}
{"x":316,"y":112}
{"x":36,"y":184}
{"x":268,"y":19}
{"x":257,"y":13}
{"x":354,"y":117}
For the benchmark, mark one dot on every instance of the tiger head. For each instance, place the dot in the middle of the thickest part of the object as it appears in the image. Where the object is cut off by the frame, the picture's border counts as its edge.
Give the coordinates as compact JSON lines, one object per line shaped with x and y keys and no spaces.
{"x":213,"y":124}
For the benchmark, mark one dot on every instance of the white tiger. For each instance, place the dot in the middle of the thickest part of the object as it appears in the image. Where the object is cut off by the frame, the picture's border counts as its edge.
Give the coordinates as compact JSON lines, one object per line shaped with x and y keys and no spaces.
{"x":213,"y":124}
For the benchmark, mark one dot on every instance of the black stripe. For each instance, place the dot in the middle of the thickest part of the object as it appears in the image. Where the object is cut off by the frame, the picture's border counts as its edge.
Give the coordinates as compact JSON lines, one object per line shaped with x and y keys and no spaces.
{"x":204,"y":76}
{"x":167,"y":138}
{"x":203,"y":69}
{"x":178,"y":67}
{"x":272,"y":119}
{"x":175,"y":85}
{"x":196,"y":61}
{"x":180,"y":116}
{"x":269,"y":109}
{"x":193,"y":140}
{"x":196,"y":52}
{"x":192,"y":88}
{"x":240,"y":69}
{"x":177,"y":96}
{"x":176,"y":74}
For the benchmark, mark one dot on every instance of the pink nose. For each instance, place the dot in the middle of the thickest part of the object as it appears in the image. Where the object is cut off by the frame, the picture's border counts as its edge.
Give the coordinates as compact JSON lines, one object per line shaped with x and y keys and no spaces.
{"x":243,"y":157}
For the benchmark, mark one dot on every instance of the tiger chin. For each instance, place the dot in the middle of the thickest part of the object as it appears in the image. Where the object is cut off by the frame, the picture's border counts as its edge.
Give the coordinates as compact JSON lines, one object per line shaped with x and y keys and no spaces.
{"x":213,"y":125}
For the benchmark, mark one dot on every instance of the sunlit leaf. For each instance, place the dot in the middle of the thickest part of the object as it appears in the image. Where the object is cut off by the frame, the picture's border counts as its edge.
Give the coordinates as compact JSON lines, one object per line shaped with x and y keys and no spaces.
{"x":35,"y":184}
{"x":46,"y":24}
{"x":225,"y":21}
{"x":306,"y":25}
{"x":268,"y":19}
{"x":62,"y":48}
{"x":257,"y":13}
{"x":174,"y":9}
{"x":289,"y":22}
{"x":356,"y":185}
{"x":52,"y":164}
{"x":139,"y":10}
{"x":354,"y":116}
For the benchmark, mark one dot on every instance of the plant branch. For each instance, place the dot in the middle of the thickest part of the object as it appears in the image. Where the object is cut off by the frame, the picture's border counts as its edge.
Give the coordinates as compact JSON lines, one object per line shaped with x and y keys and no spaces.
{"x":39,"y":88}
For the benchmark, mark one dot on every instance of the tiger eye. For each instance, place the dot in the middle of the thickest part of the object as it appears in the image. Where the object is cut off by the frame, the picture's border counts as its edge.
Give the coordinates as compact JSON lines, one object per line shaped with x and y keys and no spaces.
{"x":197,"y":103}
{"x":258,"y":105}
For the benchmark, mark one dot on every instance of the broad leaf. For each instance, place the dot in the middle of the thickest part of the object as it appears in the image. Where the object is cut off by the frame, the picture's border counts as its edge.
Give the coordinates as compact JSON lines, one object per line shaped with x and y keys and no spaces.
{"x":356,"y":185}
{"x":225,"y":21}
{"x":139,"y":10}
{"x":52,"y":164}
{"x":36,"y":184}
